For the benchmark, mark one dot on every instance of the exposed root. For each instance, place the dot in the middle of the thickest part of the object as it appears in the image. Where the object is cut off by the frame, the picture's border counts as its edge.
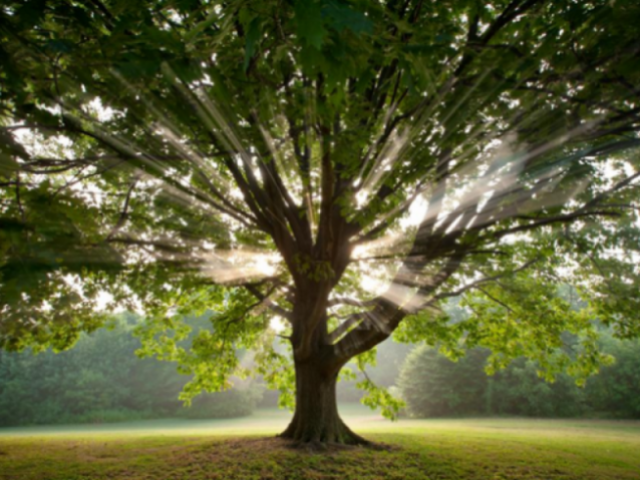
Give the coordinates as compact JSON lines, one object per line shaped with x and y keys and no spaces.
{"x":315,"y":446}
{"x":348,"y":441}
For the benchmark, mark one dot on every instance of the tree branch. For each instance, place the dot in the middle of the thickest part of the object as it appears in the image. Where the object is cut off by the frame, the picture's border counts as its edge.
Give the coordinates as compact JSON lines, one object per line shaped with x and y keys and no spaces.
{"x":125,"y":209}
{"x":351,"y":321}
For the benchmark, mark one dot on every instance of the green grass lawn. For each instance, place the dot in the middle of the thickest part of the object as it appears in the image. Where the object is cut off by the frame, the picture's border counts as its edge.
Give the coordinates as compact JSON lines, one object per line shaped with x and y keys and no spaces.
{"x":245,"y":449}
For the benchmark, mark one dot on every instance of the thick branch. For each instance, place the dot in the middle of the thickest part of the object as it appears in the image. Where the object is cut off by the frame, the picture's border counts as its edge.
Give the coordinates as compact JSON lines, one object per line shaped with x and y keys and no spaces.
{"x":351,"y":321}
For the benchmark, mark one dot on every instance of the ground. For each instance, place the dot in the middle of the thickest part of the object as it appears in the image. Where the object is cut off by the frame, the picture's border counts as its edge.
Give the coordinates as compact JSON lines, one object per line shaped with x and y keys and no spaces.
{"x":462,"y":449}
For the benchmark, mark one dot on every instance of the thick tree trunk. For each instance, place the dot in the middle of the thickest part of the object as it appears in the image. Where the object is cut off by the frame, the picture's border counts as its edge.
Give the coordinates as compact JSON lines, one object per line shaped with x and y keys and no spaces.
{"x":316,"y":419}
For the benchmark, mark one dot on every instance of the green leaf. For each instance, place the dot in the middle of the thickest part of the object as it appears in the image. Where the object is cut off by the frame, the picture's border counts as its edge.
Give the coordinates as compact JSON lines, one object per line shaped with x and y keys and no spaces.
{"x":60,"y":46}
{"x":252,"y":38}
{"x":341,"y":16}
{"x":31,"y":12}
{"x":309,"y":22}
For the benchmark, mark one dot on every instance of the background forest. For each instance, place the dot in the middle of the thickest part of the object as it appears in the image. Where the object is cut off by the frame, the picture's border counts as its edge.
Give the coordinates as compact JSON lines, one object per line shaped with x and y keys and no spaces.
{"x":102,"y":380}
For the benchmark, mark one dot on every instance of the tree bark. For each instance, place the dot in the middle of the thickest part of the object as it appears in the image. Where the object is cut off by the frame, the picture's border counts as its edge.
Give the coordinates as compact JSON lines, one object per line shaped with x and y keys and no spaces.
{"x":316,"y":419}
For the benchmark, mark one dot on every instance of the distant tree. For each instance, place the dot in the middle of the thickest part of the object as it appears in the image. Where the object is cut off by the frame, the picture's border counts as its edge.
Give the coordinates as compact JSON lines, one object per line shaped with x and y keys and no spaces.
{"x":260,"y":158}
{"x":434,"y":386}
{"x":519,"y":390}
{"x":615,"y":391}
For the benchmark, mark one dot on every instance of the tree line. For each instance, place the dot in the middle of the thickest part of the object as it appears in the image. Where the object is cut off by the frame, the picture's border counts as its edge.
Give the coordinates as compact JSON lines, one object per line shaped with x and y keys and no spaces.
{"x":102,"y":380}
{"x":434,"y":386}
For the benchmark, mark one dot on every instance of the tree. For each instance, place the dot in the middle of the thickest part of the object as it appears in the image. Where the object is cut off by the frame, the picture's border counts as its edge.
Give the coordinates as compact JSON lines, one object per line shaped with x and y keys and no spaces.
{"x":614,"y":392}
{"x":260,"y":157}
{"x":433,"y":386}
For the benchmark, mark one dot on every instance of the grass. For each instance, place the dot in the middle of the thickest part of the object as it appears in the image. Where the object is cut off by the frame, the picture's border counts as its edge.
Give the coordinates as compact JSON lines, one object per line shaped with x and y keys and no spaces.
{"x":245,"y":449}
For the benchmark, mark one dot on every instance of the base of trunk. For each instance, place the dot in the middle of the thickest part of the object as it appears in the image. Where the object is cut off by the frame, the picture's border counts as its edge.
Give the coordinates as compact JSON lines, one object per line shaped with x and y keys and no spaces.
{"x":305,"y":432}
{"x":316,"y":419}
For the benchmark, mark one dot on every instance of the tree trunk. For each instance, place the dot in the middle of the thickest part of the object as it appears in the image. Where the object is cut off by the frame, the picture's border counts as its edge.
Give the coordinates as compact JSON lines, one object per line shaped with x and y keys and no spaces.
{"x":316,"y":419}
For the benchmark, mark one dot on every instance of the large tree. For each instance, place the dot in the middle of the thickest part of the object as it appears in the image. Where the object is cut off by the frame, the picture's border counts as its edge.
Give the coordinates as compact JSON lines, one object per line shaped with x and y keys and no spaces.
{"x":265,"y":158}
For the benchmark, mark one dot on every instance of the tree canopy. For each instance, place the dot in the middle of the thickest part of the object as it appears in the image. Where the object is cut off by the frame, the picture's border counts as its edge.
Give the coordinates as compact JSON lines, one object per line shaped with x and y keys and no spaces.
{"x":343,"y":166}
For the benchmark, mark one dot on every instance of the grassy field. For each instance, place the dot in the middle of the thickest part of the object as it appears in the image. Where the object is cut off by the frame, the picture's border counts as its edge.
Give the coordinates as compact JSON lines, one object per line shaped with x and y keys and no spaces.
{"x":245,"y":449}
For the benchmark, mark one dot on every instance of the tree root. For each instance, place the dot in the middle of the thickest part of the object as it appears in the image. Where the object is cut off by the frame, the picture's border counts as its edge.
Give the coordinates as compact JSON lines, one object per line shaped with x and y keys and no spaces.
{"x":320,"y":446}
